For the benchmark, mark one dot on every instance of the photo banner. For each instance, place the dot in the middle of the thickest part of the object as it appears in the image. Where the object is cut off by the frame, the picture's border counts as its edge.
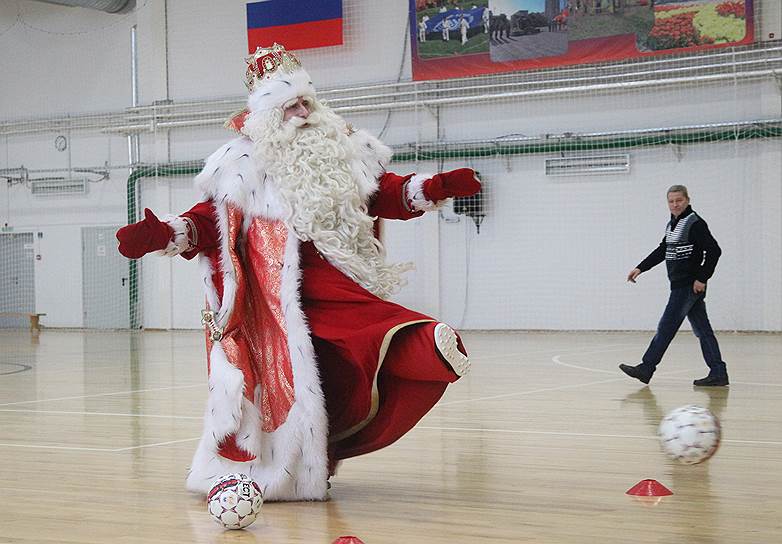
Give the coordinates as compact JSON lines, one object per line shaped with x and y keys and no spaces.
{"x":456,"y":38}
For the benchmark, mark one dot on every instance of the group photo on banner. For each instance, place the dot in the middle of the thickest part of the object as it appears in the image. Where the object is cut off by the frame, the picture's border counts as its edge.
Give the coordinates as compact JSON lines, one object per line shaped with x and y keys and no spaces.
{"x":458,"y":38}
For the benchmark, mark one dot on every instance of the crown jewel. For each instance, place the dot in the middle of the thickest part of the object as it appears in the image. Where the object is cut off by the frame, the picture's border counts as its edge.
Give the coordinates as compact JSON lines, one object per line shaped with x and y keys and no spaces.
{"x":266,"y":61}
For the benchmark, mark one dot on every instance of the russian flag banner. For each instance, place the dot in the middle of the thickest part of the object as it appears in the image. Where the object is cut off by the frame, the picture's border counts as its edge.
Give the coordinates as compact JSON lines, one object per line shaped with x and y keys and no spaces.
{"x":294,"y":24}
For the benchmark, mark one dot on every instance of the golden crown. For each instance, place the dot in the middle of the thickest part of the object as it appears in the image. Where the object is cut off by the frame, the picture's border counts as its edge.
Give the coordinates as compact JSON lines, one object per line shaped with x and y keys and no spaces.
{"x":266,"y":61}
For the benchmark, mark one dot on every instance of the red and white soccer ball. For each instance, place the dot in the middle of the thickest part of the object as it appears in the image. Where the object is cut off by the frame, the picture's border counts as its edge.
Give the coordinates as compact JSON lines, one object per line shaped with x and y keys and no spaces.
{"x":690,"y":434}
{"x":234,"y":501}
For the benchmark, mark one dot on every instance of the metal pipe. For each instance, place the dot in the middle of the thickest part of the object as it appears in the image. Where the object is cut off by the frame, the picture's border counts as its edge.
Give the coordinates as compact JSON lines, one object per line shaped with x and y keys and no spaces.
{"x":155,"y":112}
{"x":239,"y":101}
{"x":773,"y":124}
{"x":646,"y":131}
{"x":152,"y":117}
{"x":133,"y":138}
{"x":688,"y":69}
{"x":467,"y":99}
{"x":415,"y":86}
{"x":154,"y":121}
{"x":109,"y":6}
{"x":543,"y":92}
{"x":132,"y":197}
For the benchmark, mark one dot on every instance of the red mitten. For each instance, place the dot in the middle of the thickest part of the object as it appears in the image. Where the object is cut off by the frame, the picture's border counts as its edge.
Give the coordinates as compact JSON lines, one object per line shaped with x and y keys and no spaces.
{"x":140,"y":238}
{"x":459,"y":182}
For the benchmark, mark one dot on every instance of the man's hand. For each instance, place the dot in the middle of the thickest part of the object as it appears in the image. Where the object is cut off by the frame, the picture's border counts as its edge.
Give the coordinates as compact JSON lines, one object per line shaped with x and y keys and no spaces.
{"x":459,"y":182}
{"x":698,"y":287}
{"x":634,"y":273}
{"x":140,"y":238}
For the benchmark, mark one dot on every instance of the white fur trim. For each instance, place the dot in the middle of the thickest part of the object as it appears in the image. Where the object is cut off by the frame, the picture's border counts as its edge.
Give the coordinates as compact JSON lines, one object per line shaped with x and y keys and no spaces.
{"x":181,"y":241}
{"x":290,"y":463}
{"x":223,"y":311}
{"x":205,"y":265}
{"x":226,"y":384}
{"x":299,"y":469}
{"x":231,"y":176}
{"x":371,"y":160}
{"x":415,"y":194}
{"x":281,"y":88}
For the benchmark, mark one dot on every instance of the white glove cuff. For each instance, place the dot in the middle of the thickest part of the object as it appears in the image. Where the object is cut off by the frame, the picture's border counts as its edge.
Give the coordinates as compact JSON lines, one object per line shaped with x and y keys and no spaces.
{"x":415,"y":194}
{"x":183,"y":231}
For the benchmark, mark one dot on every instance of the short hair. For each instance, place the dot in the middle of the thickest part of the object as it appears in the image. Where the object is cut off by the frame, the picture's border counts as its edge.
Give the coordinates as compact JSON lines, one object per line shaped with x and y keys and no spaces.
{"x":678,"y":189}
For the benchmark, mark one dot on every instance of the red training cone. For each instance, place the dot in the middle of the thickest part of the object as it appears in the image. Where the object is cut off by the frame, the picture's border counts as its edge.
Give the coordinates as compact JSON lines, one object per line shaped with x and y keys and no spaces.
{"x":348,"y":540}
{"x":649,"y":488}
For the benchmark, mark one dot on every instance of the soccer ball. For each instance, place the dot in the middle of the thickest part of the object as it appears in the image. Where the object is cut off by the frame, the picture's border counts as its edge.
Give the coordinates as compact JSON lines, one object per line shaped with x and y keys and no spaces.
{"x":690,"y":434}
{"x":234,"y":501}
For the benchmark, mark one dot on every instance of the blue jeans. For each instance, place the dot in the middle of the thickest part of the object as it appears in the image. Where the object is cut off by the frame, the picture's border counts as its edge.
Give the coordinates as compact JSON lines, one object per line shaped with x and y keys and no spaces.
{"x":682,"y":303}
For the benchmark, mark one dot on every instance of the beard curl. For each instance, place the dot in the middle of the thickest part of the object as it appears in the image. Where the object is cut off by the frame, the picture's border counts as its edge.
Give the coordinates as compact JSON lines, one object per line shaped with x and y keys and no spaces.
{"x":309,"y":160}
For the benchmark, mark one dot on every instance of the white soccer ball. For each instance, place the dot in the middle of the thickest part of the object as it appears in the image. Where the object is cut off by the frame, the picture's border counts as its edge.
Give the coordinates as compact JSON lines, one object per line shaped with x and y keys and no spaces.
{"x":690,"y":434}
{"x":234,"y":501}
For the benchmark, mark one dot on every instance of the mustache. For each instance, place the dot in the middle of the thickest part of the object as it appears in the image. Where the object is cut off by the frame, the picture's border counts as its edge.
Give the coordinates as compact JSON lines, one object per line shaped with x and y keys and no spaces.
{"x":313,"y":119}
{"x":298,"y":122}
{"x":313,"y":128}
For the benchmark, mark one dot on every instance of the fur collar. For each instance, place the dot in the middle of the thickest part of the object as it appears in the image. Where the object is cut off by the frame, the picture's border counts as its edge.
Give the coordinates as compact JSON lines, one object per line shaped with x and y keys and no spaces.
{"x":231,"y":176}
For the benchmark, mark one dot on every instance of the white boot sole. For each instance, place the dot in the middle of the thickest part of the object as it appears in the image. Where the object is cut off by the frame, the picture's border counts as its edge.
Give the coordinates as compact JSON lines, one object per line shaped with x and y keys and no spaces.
{"x":447,"y":345}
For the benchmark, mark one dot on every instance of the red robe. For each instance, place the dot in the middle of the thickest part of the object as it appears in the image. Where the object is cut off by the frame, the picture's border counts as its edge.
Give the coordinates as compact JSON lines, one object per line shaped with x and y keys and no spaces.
{"x":378,"y":365}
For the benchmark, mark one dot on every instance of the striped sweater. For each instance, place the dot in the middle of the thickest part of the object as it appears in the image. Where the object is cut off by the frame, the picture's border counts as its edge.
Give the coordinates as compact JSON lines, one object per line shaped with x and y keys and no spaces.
{"x":689,"y":250}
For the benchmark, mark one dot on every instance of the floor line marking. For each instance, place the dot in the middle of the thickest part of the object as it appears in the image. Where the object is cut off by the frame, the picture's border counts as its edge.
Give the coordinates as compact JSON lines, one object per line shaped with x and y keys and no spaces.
{"x":157,"y":444}
{"x":113,"y":414}
{"x":586,"y":435}
{"x":40,"y":446}
{"x":552,"y":433}
{"x":557,"y":361}
{"x":547,"y":389}
{"x":100,"y":450}
{"x":530,"y":392}
{"x":547,"y":351}
{"x":104,"y":365}
{"x":422,"y":427}
{"x":755,"y":383}
{"x":168,"y":388}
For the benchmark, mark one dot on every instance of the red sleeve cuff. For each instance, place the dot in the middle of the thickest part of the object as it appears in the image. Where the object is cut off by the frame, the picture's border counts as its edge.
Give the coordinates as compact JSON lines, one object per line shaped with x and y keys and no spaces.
{"x":391,"y":199}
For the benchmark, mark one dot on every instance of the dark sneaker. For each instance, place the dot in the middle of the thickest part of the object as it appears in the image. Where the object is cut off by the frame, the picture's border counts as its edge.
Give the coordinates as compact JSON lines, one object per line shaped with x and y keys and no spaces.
{"x":639,"y":372}
{"x":712,"y":381}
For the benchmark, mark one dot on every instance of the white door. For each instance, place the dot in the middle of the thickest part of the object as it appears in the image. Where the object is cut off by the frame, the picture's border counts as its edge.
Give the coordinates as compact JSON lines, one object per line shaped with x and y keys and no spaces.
{"x":105,"y":274}
{"x":17,"y":278}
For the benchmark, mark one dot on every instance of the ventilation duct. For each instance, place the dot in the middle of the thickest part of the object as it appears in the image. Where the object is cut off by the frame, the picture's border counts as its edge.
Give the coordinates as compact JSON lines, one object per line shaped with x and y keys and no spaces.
{"x":579,"y":166}
{"x":58,"y":186}
{"x":109,"y":6}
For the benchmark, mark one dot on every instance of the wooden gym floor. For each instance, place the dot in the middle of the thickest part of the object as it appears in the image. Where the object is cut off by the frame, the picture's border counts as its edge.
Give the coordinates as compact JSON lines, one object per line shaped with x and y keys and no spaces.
{"x":538,"y":444}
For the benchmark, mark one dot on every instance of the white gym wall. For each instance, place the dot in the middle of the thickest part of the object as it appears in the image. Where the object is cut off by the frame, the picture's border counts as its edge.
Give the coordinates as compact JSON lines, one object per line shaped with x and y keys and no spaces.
{"x":552,"y":252}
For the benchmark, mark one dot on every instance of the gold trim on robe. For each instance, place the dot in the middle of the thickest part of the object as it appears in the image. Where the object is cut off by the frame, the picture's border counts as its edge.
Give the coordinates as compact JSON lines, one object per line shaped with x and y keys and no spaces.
{"x":375,"y":402}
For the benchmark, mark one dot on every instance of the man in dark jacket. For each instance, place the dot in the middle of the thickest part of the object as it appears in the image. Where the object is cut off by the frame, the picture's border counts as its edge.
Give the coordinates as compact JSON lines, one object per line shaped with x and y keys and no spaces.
{"x":690,"y":253}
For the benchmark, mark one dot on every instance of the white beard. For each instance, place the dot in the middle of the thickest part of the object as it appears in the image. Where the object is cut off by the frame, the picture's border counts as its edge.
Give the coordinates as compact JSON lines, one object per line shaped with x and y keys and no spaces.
{"x":309,"y":162}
